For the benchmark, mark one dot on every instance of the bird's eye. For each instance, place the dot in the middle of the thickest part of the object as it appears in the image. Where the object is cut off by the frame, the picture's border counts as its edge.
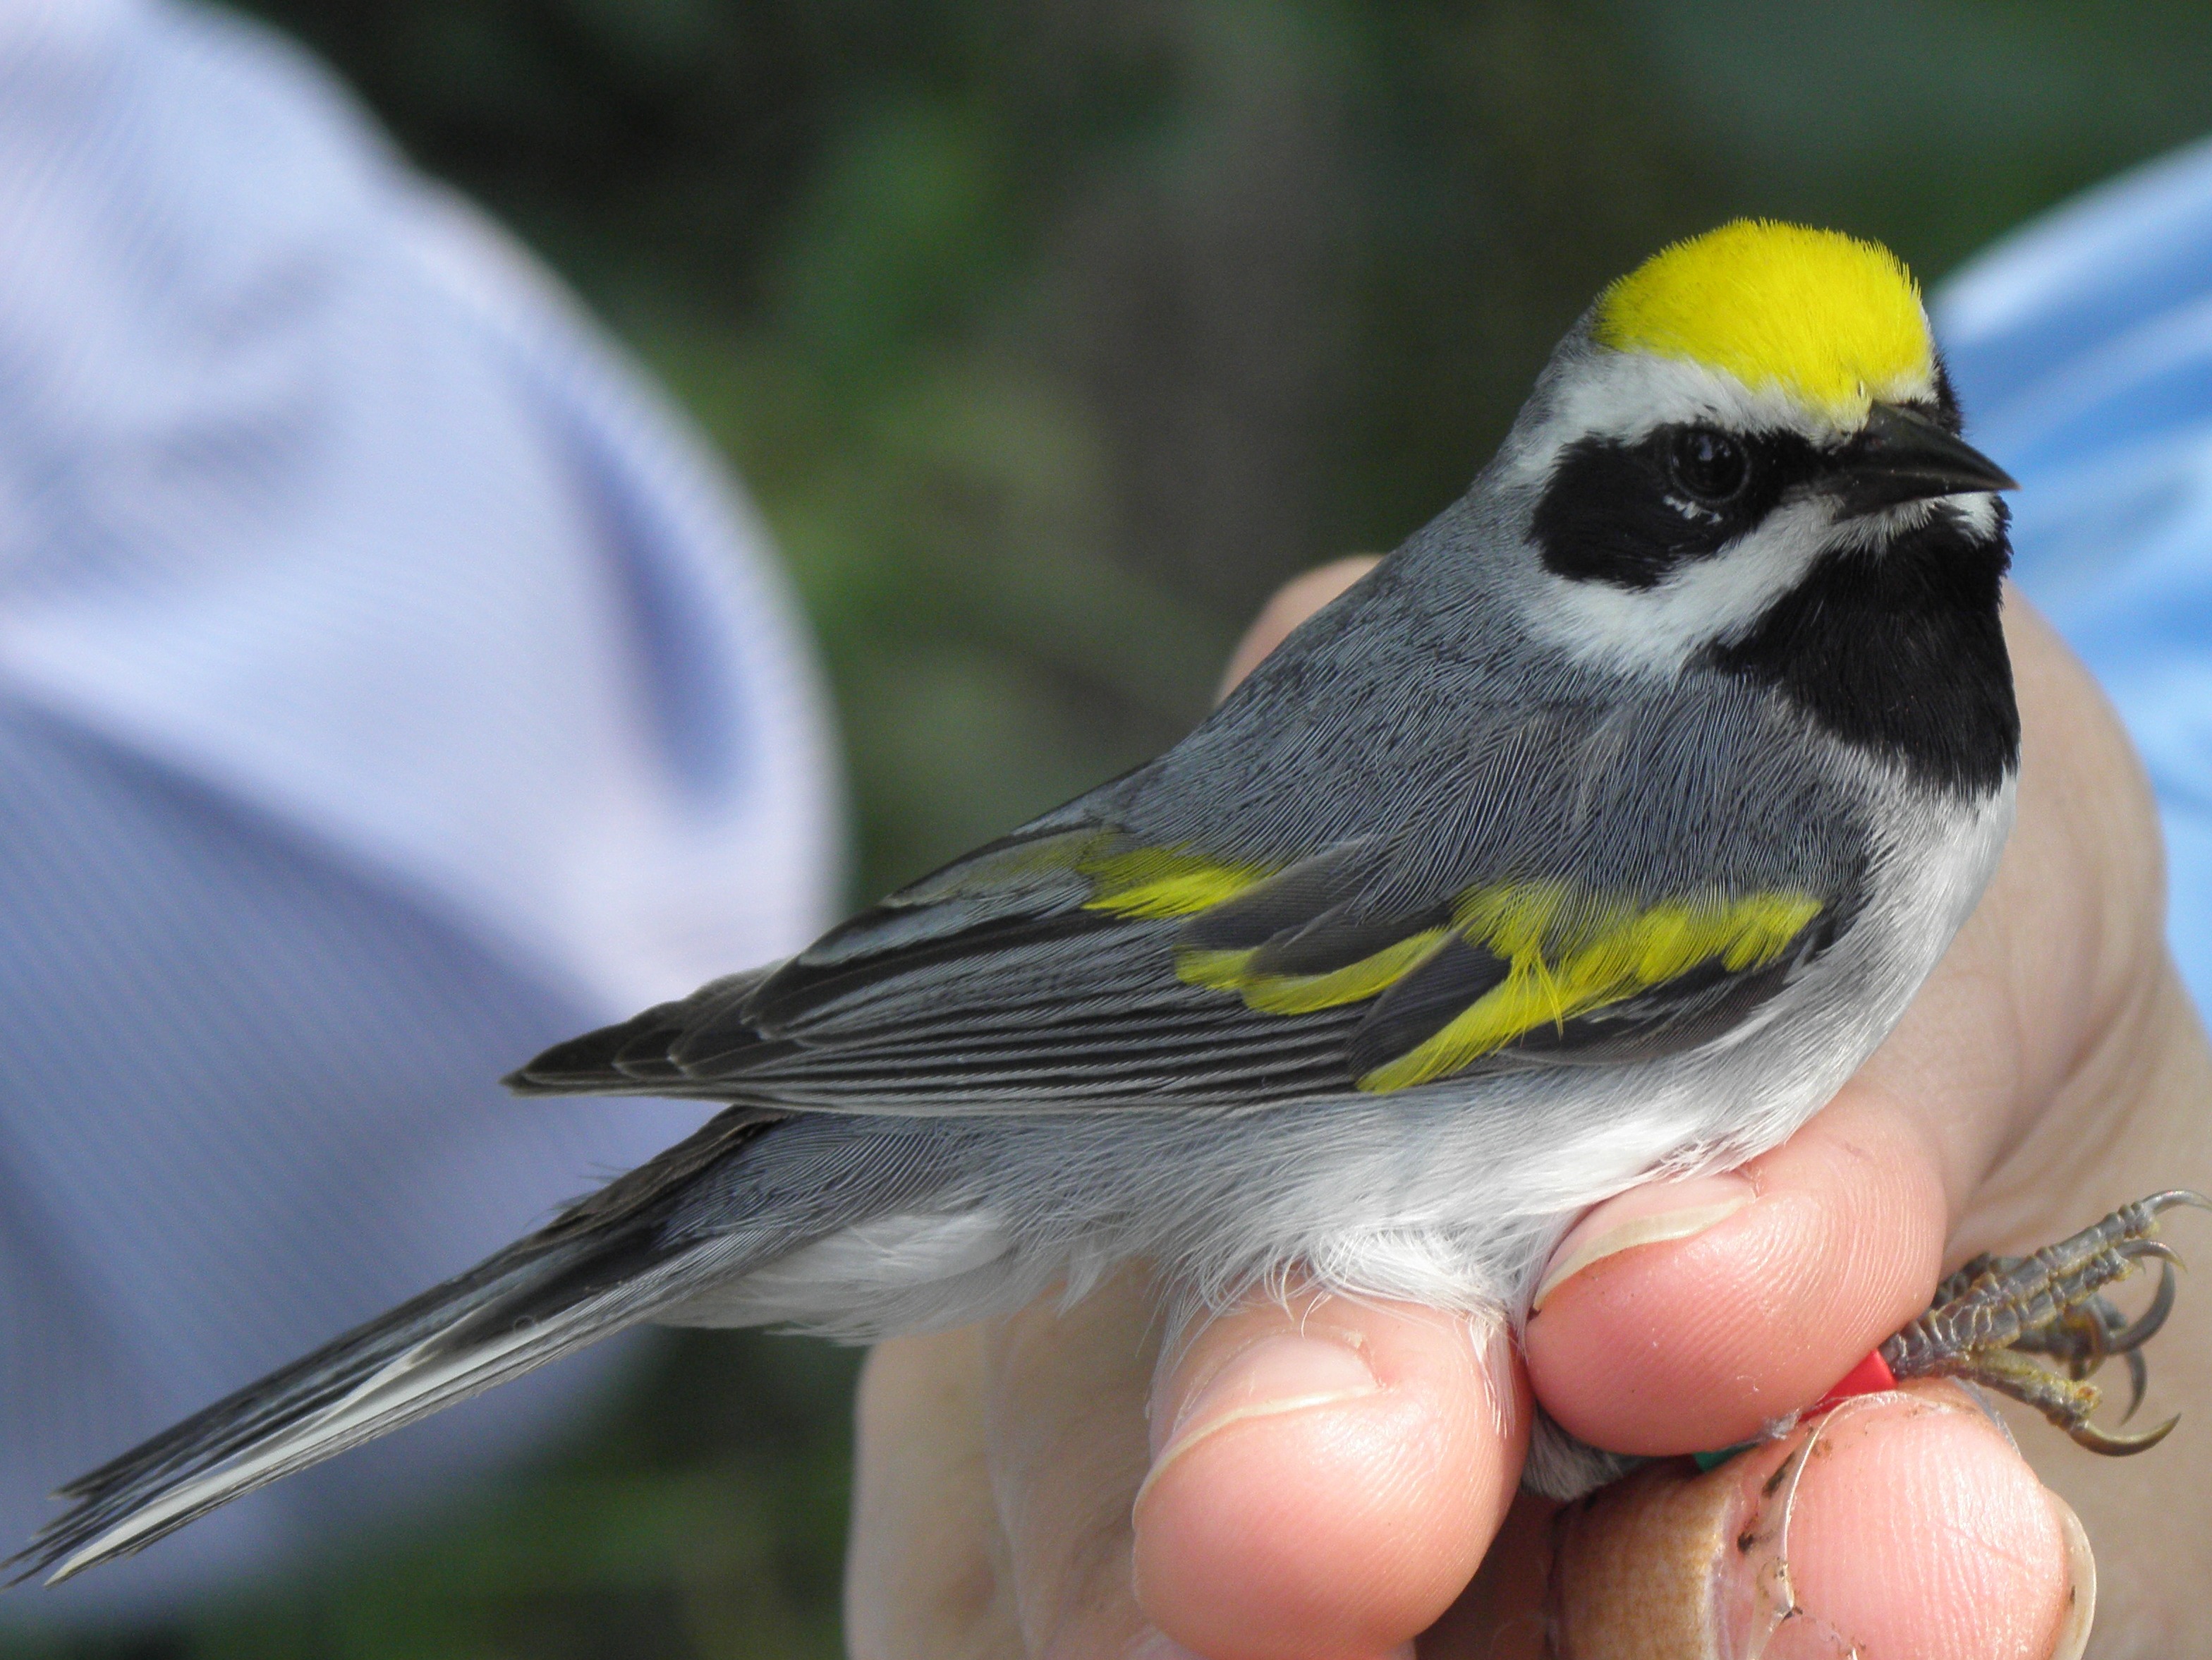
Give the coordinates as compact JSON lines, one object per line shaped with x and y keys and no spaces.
{"x":1710,"y":467}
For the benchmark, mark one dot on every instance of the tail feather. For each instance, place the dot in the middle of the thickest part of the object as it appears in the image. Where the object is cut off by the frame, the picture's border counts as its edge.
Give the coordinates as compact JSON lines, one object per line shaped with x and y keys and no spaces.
{"x":607,"y":1262}
{"x":305,"y":1386}
{"x":511,"y":1314}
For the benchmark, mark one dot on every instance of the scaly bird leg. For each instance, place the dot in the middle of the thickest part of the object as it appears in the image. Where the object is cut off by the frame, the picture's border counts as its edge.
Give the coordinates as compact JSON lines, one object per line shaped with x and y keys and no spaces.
{"x":1996,"y":1312}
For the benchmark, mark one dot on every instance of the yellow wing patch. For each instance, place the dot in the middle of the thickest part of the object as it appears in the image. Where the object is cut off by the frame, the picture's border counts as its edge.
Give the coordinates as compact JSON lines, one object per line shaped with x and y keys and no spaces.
{"x":1566,"y":955}
{"x":1564,"y":963}
{"x":1302,"y":994}
{"x":1835,"y":321}
{"x":1565,"y":951}
{"x":1146,"y":882}
{"x":1126,"y":878}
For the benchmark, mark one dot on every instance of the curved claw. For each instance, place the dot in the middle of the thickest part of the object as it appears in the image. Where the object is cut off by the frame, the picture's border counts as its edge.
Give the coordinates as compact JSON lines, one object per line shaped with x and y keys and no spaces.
{"x":2138,"y":1381}
{"x":2172,"y":1196}
{"x":2135,"y":1249}
{"x":2146,"y":1327}
{"x":2121,"y":1446}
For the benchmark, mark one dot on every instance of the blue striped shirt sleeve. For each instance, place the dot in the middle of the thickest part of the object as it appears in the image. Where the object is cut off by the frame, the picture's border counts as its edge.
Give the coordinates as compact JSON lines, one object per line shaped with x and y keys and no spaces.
{"x":388,"y":687}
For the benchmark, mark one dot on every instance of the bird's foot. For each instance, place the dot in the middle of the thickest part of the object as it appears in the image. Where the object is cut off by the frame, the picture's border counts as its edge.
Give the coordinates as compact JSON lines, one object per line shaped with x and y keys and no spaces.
{"x":1994,"y":1315}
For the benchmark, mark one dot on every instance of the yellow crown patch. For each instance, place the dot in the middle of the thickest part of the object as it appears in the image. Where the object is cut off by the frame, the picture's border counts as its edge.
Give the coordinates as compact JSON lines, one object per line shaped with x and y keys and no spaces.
{"x":1831,"y":319}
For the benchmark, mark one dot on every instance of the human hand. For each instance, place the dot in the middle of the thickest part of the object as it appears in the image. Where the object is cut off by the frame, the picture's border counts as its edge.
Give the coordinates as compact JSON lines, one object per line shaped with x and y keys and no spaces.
{"x":1324,"y":1480}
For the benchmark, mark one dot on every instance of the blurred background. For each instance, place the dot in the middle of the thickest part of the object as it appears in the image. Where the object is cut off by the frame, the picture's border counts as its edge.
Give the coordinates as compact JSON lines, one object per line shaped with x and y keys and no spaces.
{"x":1051,"y":336}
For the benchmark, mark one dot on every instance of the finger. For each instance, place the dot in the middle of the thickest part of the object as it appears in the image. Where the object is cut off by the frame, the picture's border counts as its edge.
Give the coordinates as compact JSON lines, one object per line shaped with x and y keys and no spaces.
{"x":1293,"y":603}
{"x":926,"y":1572}
{"x":1902,"y":1524}
{"x":1683,"y":1317}
{"x":1064,"y":1426}
{"x":1502,"y":1615}
{"x":1327,"y":1476}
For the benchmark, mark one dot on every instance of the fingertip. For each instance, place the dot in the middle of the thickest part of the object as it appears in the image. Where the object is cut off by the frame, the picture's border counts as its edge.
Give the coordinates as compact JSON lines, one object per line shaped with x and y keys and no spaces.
{"x":1925,"y":1533}
{"x":1687,"y":1341}
{"x":1902,"y":1524}
{"x":1328,"y":1476}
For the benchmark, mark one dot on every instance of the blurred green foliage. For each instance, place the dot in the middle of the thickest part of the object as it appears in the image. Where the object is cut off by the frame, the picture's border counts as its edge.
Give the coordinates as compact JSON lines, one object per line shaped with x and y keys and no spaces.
{"x":703,"y":1516}
{"x":1050,"y":335}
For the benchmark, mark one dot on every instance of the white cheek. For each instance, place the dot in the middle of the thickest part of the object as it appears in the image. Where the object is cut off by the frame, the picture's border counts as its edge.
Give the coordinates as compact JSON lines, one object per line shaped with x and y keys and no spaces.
{"x":1655,"y":630}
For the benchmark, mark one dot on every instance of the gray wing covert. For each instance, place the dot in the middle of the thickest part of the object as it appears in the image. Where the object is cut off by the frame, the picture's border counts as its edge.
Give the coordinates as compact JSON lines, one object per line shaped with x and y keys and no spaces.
{"x":1555,"y":886}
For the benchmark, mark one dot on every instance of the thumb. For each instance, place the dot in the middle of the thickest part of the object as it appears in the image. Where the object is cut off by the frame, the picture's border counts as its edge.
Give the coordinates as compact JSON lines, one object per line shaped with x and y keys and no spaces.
{"x":1326,"y":1476}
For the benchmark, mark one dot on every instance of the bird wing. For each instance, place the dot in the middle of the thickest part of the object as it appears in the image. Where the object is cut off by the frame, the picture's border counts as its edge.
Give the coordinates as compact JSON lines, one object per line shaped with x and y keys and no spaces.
{"x":1412,"y":846}
{"x":1079,"y":965}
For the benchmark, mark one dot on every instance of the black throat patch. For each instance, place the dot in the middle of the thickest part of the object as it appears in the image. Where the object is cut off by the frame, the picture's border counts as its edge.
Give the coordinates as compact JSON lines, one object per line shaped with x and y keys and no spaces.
{"x":1901,"y":651}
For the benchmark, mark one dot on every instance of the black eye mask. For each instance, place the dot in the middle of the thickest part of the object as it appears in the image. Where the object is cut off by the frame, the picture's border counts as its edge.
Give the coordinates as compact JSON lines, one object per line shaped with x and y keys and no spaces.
{"x":1629,"y":513}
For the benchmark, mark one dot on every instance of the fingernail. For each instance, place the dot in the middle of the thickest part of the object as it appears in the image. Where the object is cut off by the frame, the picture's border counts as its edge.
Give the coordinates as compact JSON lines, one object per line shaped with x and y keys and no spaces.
{"x":1638,"y":1565}
{"x":1649,"y":1215}
{"x":1287,"y":1372}
{"x":1672,"y":1562}
{"x":2080,"y":1584}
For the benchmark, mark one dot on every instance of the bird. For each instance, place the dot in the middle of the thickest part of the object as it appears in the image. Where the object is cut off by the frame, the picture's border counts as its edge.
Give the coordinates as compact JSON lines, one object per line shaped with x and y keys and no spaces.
{"x":1597,"y":834}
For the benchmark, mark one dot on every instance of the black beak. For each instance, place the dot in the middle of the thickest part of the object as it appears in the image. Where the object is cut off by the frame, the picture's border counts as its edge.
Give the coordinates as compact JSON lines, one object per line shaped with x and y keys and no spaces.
{"x":1899,"y":456}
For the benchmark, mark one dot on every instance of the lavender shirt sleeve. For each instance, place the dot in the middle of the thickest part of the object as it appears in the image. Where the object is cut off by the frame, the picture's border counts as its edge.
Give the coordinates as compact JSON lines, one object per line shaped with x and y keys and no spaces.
{"x":388,"y":687}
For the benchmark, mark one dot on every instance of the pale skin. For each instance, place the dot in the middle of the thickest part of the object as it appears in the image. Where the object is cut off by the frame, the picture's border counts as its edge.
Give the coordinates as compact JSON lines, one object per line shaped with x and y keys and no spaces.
{"x":1323,"y":1482}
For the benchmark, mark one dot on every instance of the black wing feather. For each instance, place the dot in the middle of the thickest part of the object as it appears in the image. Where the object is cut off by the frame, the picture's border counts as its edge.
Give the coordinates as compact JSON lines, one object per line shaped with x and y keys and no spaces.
{"x":947,"y":1002}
